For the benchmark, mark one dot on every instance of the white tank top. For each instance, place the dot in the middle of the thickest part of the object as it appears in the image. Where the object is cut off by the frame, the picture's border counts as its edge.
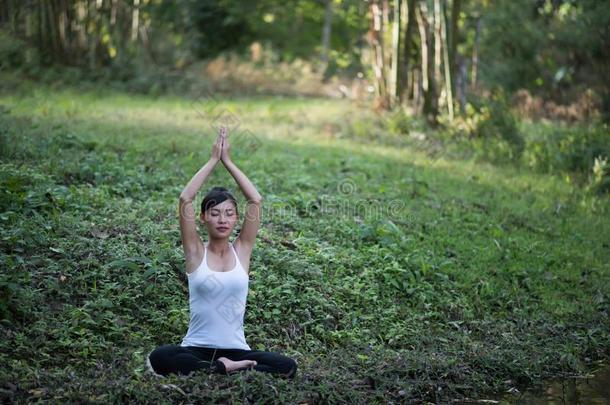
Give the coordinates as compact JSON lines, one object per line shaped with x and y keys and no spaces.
{"x":217,"y":303}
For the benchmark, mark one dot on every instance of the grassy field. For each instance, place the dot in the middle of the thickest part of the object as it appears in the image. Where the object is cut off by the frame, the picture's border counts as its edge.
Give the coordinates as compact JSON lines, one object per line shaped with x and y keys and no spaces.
{"x":387,"y":274}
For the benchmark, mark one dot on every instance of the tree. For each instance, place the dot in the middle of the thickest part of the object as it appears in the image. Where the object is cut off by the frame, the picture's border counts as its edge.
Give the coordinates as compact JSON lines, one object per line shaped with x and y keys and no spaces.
{"x":375,"y":37}
{"x":405,"y":59}
{"x":326,"y":31}
{"x":426,"y":32}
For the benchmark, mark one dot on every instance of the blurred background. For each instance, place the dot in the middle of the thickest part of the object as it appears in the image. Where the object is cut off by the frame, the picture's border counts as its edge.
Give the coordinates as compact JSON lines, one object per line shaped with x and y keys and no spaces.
{"x":549,"y":57}
{"x":475,"y":72}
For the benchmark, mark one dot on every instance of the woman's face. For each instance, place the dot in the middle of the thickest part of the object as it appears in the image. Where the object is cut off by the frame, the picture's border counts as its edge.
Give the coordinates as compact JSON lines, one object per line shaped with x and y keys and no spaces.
{"x":220,"y":219}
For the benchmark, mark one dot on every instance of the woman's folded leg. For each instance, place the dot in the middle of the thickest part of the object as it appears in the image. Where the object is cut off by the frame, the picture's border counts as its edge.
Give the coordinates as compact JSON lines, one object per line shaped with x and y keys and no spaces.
{"x":269,"y":362}
{"x":167,"y":359}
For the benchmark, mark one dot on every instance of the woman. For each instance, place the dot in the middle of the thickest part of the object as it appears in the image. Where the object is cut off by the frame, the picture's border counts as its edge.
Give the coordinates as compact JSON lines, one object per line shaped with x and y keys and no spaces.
{"x":217,"y":273}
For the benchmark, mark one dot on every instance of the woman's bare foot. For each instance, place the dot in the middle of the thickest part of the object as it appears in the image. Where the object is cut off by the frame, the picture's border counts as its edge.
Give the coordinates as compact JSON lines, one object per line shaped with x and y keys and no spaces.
{"x":231,"y":365}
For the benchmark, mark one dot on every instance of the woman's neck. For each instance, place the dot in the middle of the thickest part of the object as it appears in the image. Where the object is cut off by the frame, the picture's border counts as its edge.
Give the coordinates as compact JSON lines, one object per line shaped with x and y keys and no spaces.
{"x":219,"y":246}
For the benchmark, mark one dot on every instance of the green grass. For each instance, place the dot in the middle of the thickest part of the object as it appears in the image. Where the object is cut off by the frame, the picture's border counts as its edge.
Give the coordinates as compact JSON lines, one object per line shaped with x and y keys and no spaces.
{"x":387,"y":274}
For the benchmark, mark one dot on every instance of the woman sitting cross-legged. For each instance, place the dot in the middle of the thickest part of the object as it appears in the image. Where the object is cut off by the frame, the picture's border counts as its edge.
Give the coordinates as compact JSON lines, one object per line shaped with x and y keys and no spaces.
{"x":218,"y":279}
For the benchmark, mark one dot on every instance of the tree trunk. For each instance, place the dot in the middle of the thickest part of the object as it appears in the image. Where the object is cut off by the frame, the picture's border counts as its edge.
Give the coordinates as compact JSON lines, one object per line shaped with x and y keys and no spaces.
{"x":430,"y":108}
{"x":53,"y":31}
{"x":454,"y":39}
{"x":62,"y":16}
{"x":91,"y":37}
{"x":424,"y":51}
{"x":385,"y":14}
{"x":394,"y":72}
{"x":403,"y":79}
{"x":29,"y":29}
{"x":113,"y":12}
{"x":376,"y":41}
{"x":437,"y":42}
{"x":82,"y":17}
{"x":135,"y":20}
{"x":326,"y":31}
{"x":448,"y":72}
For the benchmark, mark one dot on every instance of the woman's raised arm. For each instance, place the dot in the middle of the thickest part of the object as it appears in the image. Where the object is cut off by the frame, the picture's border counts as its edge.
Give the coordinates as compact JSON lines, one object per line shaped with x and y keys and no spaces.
{"x":252,"y":220}
{"x":191,"y":243}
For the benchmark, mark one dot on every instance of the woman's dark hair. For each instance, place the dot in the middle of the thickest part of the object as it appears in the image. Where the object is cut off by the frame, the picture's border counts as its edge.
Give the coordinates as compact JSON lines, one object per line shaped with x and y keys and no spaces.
{"x":215,"y":196}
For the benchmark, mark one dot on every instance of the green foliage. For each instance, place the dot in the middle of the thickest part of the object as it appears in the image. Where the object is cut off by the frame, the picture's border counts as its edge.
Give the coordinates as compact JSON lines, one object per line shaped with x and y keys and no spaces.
{"x":576,"y":150}
{"x":11,"y":51}
{"x":511,"y":43}
{"x":218,"y":26}
{"x":549,"y":47}
{"x":420,"y":275}
{"x":173,"y":34}
{"x":600,"y":179}
{"x":399,"y":123}
{"x":568,"y":149}
{"x":492,"y":130}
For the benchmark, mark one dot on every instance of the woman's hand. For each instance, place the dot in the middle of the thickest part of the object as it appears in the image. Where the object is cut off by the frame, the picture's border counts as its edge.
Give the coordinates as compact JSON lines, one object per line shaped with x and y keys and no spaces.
{"x":224,"y":156}
{"x":217,"y":148}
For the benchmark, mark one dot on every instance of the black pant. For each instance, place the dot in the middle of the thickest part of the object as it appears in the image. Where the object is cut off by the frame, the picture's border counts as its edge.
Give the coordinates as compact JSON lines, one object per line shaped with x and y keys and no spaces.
{"x":170,"y":358}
